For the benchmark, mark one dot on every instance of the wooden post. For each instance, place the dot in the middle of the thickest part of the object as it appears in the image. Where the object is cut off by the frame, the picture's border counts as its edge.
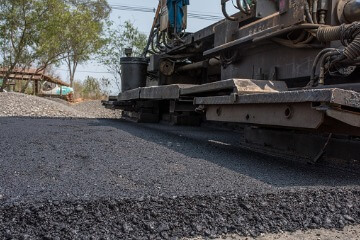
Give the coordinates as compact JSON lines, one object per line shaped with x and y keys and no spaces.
{"x":36,"y":87}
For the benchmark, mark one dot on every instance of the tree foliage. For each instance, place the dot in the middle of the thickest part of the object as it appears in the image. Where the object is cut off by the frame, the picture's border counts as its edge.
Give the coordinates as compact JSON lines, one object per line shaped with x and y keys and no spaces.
{"x":39,"y":33}
{"x":19,"y":22}
{"x":84,"y":32}
{"x":120,"y":37}
{"x":91,"y":88}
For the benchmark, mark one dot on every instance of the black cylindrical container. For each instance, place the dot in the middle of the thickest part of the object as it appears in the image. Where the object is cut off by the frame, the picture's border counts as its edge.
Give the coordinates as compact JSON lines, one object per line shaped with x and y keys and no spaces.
{"x":133,"y":73}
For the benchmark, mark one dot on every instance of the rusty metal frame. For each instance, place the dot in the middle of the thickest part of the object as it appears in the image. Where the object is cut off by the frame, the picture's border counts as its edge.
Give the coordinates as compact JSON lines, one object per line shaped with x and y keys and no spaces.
{"x":297,"y":115}
{"x":331,"y":96}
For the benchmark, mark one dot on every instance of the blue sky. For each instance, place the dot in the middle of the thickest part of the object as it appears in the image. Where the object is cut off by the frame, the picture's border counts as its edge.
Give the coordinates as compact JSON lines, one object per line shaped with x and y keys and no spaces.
{"x":144,"y":21}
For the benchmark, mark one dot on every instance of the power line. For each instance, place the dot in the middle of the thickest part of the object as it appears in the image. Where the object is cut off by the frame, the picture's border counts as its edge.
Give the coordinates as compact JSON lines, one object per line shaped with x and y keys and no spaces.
{"x":197,"y":12}
{"x":196,"y":15}
{"x":132,"y":8}
{"x":64,"y":70}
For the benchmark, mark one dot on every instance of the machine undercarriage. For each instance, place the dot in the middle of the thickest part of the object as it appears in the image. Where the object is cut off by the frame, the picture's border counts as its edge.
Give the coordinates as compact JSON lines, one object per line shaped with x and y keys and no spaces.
{"x":286,"y":71}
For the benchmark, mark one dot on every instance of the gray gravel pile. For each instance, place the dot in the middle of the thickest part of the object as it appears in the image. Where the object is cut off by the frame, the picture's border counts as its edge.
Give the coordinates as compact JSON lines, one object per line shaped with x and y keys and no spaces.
{"x":177,"y":217}
{"x":22,"y":105}
{"x":59,"y":100}
{"x":95,"y":109}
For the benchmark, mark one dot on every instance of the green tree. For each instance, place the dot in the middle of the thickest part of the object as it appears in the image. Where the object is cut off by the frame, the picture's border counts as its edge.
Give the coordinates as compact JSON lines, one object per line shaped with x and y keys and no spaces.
{"x":48,"y":48}
{"x":19,"y":21}
{"x":83,"y":33}
{"x":40,"y":33}
{"x":92,"y":88}
{"x":119,"y":37}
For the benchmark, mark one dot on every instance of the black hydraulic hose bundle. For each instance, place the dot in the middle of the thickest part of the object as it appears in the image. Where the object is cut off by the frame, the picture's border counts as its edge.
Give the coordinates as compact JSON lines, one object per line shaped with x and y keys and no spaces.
{"x":151,"y":35}
{"x":317,"y":59}
{"x":351,"y":39}
{"x":226,"y":15}
{"x":349,"y":35}
{"x":164,"y":38}
{"x":158,"y":48}
{"x":239,"y":5}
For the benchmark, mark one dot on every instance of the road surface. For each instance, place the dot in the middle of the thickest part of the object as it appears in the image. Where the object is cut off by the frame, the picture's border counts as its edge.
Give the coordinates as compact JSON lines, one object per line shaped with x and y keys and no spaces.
{"x":83,"y":178}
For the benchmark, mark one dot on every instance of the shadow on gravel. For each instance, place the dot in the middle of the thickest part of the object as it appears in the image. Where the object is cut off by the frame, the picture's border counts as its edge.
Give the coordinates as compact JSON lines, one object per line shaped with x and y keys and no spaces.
{"x":223,"y":148}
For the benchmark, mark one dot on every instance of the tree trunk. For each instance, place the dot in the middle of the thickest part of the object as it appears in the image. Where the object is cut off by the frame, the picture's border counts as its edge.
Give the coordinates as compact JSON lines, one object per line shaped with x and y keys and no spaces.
{"x":72,"y":77}
{"x":23,"y":89}
{"x":72,"y":66}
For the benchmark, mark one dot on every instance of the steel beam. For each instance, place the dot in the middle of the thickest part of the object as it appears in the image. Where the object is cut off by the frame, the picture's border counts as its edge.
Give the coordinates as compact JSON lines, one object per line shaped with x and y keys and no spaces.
{"x":162,"y":92}
{"x":299,"y":115}
{"x":133,"y":94}
{"x":331,"y":96}
{"x":239,"y":86}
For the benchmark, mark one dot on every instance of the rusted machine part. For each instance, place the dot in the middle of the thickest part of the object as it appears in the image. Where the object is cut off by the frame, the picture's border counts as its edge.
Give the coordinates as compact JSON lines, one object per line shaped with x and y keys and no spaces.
{"x":167,"y":67}
{"x":305,"y":109}
{"x":265,"y":36}
{"x":198,"y":65}
{"x":297,"y":115}
{"x":323,"y":8}
{"x":348,"y":11}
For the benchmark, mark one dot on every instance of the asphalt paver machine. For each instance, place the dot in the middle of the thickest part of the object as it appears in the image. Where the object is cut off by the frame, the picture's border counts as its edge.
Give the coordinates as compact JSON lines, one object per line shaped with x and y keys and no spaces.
{"x":285,"y":71}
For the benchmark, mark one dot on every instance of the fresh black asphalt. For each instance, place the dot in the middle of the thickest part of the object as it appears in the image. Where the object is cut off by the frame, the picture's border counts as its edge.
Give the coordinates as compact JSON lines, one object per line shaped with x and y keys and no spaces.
{"x":111,"y":179}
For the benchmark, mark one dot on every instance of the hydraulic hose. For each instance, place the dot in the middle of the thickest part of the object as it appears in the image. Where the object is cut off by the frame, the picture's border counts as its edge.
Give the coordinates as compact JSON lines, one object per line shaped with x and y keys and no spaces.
{"x":314,"y":11}
{"x":165,"y":41}
{"x":316,"y":61}
{"x":322,"y":65}
{"x":151,"y":36}
{"x":307,"y":13}
{"x":226,"y":15}
{"x":349,"y":35}
{"x":158,"y":48}
{"x":158,"y":43}
{"x":241,"y":8}
{"x":247,"y":6}
{"x":328,"y":34}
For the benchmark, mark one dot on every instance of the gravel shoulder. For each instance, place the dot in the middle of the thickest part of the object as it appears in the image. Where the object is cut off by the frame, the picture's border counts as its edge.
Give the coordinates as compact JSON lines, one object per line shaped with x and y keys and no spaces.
{"x":94,"y":109}
{"x":22,"y":105}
